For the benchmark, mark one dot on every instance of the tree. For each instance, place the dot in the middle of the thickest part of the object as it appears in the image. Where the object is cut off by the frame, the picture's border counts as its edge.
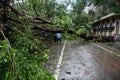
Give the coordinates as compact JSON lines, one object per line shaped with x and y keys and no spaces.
{"x":80,"y":18}
{"x":106,"y":6}
{"x":91,"y":15}
{"x":22,"y":56}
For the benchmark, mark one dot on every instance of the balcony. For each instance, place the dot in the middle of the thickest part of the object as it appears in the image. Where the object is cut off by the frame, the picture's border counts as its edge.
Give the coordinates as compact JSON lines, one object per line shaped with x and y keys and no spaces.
{"x":104,"y":28}
{"x":110,"y":28}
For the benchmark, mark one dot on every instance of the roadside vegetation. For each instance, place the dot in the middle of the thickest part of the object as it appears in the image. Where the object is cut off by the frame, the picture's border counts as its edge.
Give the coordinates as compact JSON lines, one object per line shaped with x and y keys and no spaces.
{"x":22,"y":53}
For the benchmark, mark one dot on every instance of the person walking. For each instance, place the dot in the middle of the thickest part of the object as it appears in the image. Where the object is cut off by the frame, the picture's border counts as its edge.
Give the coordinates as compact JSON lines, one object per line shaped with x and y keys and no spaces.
{"x":55,"y":38}
{"x":58,"y":36}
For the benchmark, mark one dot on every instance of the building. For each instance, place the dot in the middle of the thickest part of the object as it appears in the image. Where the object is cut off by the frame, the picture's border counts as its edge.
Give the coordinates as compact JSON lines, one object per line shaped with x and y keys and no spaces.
{"x":108,"y":27}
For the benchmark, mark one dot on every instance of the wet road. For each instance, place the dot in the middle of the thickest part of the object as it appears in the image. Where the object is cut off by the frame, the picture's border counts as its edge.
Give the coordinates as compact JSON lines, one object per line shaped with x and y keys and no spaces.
{"x":88,"y":62}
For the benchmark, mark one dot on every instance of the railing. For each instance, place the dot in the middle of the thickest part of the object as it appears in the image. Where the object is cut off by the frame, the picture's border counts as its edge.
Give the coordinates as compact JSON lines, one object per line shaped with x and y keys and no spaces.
{"x":104,"y":28}
{"x":110,"y":28}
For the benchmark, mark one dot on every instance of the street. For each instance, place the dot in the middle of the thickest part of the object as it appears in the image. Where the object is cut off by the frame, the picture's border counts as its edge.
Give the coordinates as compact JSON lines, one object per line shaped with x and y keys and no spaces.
{"x":88,"y":61}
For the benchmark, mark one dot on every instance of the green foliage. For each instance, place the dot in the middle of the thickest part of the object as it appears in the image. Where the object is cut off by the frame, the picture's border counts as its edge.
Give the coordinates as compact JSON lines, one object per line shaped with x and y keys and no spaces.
{"x":107,"y":6}
{"x":91,"y":15}
{"x":22,"y":56}
{"x":25,"y":57}
{"x":16,"y":64}
{"x":80,"y":18}
{"x":70,"y":36}
{"x":82,"y":30}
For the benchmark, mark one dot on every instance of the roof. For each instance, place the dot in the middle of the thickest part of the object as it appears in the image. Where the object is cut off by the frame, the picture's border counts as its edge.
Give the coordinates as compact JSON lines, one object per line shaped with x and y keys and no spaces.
{"x":106,"y":17}
{"x":109,"y":15}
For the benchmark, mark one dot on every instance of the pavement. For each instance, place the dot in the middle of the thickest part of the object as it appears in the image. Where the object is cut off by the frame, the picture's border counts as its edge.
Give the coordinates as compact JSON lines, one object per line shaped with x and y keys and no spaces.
{"x":83,"y":61}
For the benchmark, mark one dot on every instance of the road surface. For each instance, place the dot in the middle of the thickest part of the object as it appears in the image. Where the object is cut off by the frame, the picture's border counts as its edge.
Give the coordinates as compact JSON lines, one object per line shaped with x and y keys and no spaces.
{"x":85,"y":62}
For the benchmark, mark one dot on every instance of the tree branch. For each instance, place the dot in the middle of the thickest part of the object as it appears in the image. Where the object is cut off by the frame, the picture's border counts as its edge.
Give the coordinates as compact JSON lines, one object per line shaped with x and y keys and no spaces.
{"x":16,"y":11}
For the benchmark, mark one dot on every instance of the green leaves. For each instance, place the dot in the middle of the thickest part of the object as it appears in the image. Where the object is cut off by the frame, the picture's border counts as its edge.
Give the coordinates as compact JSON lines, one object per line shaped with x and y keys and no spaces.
{"x":82,"y":31}
{"x":106,"y":7}
{"x":15,"y":64}
{"x":34,"y":2}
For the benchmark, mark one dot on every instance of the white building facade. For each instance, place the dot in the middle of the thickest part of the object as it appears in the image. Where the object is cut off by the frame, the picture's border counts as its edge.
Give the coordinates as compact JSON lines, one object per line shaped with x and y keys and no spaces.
{"x":108,"y":26}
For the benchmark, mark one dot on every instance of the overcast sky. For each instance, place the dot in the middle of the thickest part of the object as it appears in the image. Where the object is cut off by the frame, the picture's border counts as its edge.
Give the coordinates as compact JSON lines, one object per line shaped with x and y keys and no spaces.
{"x":69,"y":8}
{"x":60,"y":1}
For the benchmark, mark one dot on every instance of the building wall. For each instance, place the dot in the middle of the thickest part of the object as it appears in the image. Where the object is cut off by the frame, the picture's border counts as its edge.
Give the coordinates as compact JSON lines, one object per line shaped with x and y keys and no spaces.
{"x":107,"y":23}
